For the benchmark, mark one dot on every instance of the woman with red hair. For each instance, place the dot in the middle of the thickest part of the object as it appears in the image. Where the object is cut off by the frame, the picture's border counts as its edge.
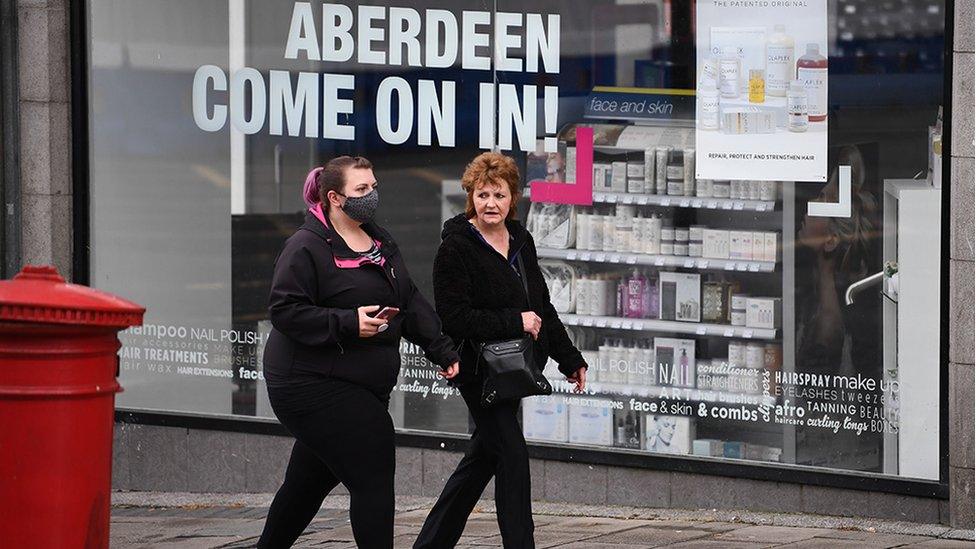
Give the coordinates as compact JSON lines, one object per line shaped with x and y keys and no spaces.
{"x":479,"y":296}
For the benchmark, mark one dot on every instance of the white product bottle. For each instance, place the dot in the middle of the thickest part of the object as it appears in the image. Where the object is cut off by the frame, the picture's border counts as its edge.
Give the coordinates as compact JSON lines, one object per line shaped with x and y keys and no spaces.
{"x":582,"y":230}
{"x":583,"y":295}
{"x":637,"y":367}
{"x":603,"y":351}
{"x":708,"y":105}
{"x":596,"y":232}
{"x":624,"y":233}
{"x":730,"y":70}
{"x":797,"y":105}
{"x":609,"y":233}
{"x":598,"y":296}
{"x":653,"y":235}
{"x":689,"y":173}
{"x":618,"y":360}
{"x":637,"y":235}
{"x":650,"y":376}
{"x":649,"y":172}
{"x":779,"y":62}
{"x":709,"y":70}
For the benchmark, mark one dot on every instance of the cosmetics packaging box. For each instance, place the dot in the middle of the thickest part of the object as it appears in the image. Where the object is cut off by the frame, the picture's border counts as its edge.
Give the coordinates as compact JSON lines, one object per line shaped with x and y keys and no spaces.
{"x":775,"y":113}
{"x":545,"y":418}
{"x":712,"y":375}
{"x":721,"y":189}
{"x":680,"y":296}
{"x":744,"y":380}
{"x":716,"y":244}
{"x":675,"y":361}
{"x":754,"y":451}
{"x":715,"y":302}
{"x":627,"y":430}
{"x":591,"y":422}
{"x":649,"y":172}
{"x":770,"y":247}
{"x":561,"y":280}
{"x":552,"y":225}
{"x":740,"y":245}
{"x":668,"y":434}
{"x":602,"y":177}
{"x":708,"y":447}
{"x":734,"y":449}
{"x":764,"y":312}
{"x":759,"y":246}
{"x":571,"y":164}
{"x":703,"y":376}
{"x":747,"y":120}
{"x":618,"y":177}
{"x":635,"y":170}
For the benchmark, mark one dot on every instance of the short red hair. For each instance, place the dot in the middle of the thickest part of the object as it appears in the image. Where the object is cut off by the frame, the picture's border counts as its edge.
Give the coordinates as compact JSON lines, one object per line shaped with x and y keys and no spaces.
{"x":487,"y":169}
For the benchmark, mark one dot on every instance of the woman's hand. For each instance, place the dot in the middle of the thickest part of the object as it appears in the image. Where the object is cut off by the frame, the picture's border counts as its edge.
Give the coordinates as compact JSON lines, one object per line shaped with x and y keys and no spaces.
{"x":531,"y":324}
{"x":450,"y":371}
{"x":369,"y":326}
{"x":579,"y":378}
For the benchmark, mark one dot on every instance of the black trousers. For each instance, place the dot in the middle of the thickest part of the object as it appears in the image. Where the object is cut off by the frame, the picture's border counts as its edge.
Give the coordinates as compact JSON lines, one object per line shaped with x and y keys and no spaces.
{"x":344,"y":433}
{"x":497,"y":448}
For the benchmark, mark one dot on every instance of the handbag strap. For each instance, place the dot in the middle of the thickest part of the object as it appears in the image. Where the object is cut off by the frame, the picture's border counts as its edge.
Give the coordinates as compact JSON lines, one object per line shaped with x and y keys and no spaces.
{"x":524,"y":277}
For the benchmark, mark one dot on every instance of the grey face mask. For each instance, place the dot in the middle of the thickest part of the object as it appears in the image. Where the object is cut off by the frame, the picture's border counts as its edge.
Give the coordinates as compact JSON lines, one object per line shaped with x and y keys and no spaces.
{"x":362,"y":208}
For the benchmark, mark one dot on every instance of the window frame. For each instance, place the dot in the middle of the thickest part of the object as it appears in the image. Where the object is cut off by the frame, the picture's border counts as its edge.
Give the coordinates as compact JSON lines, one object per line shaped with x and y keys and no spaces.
{"x":764,"y":471}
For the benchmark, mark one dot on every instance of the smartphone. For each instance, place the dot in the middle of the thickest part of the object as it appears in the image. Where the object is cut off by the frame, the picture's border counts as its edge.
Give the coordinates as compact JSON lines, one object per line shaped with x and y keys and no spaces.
{"x":387,"y":313}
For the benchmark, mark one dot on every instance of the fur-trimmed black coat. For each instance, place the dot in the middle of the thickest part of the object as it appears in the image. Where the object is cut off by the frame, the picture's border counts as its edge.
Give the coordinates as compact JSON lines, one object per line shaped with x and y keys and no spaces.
{"x":479,"y":296}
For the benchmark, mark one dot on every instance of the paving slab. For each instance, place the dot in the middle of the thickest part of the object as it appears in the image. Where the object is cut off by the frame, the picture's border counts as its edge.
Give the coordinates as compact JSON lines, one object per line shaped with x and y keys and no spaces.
{"x":592,"y":525}
{"x":870,"y":539}
{"x":779,"y":534}
{"x":720,"y":544}
{"x":652,"y":537}
{"x":230,"y":521}
{"x":195,"y":542}
{"x":820,"y":543}
{"x":597,"y":545}
{"x":943,"y":544}
{"x":543,"y":539}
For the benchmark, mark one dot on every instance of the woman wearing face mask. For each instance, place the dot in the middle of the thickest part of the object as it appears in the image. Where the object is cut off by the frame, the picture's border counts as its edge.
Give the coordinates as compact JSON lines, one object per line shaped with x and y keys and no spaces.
{"x":480,"y":297}
{"x":341,"y":298}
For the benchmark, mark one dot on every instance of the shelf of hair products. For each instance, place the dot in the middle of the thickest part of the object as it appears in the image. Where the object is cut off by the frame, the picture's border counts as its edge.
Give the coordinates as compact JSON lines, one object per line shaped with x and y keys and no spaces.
{"x":672,"y":287}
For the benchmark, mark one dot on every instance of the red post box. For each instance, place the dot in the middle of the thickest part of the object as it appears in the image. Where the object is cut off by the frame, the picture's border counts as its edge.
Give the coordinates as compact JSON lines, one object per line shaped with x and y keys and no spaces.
{"x":58,"y":367}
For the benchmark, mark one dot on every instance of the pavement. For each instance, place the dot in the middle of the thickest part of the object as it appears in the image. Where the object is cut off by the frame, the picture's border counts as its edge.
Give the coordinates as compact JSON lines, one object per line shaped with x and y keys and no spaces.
{"x":232,"y":521}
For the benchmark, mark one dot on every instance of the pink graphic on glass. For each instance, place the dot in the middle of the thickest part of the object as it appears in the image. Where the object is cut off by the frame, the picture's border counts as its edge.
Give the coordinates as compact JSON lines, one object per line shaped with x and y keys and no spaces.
{"x":579,"y":193}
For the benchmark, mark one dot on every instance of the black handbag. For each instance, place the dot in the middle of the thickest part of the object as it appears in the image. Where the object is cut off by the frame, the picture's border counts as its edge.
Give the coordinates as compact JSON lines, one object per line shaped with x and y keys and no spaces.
{"x":509,"y":366}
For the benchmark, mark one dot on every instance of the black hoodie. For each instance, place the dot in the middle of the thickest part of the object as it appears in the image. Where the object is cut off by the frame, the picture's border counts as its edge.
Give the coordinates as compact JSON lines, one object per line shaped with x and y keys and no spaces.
{"x":318,"y":285}
{"x":479,"y":295}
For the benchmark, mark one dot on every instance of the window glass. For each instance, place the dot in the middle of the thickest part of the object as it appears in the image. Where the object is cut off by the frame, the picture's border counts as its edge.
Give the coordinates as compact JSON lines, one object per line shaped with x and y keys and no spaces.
{"x":767,"y":319}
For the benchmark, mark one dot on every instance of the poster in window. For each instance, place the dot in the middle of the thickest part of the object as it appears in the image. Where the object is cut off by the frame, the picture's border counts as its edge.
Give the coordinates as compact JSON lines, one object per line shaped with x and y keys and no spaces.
{"x":762,"y":90}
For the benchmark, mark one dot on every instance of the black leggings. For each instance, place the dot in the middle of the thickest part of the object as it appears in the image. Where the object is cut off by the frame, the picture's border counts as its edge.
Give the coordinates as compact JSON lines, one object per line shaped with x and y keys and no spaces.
{"x":345,"y":435}
{"x":497,"y":449}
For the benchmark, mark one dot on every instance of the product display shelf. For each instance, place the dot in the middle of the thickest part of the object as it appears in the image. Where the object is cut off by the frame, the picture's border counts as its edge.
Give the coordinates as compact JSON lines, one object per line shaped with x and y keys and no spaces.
{"x":689,"y":395}
{"x":684,"y":262}
{"x":667,"y":201}
{"x":667,"y":326}
{"x":697,"y":202}
{"x":629,"y":144}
